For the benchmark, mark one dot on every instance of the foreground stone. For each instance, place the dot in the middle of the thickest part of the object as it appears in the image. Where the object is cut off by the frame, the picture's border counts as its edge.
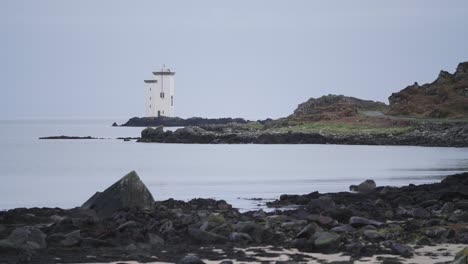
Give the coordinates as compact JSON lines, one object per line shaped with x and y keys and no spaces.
{"x":127,"y":193}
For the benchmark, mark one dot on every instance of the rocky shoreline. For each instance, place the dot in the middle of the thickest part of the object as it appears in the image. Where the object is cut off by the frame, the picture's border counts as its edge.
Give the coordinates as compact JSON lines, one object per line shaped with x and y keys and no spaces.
{"x":179,"y":122}
{"x":424,"y":134}
{"x":125,"y":223}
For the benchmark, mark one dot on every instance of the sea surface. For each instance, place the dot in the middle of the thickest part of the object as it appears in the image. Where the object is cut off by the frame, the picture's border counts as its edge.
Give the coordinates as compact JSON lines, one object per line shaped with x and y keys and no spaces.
{"x":65,"y":173}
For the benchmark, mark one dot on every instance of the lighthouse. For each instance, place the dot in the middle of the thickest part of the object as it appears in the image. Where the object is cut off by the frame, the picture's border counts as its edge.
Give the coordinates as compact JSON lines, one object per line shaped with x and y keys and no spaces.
{"x":159,"y":94}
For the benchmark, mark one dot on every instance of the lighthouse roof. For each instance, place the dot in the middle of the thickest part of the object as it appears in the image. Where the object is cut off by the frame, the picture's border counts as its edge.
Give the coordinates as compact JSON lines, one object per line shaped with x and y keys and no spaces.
{"x":164,"y":72}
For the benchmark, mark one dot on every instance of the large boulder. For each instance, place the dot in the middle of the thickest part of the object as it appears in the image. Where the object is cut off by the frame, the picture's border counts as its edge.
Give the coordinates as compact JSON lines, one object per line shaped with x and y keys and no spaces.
{"x":358,"y":222}
{"x":365,"y":187}
{"x":326,"y":240}
{"x":191,"y":259}
{"x":29,"y":238}
{"x":205,"y":236}
{"x":129,"y":192}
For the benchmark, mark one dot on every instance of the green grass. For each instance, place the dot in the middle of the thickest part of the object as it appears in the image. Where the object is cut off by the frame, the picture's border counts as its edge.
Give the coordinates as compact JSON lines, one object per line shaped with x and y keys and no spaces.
{"x":254,"y":125}
{"x":345,"y":128}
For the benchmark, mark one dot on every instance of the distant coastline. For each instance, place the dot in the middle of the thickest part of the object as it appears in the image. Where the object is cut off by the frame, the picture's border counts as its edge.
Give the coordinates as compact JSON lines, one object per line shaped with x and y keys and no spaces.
{"x":433,"y":115}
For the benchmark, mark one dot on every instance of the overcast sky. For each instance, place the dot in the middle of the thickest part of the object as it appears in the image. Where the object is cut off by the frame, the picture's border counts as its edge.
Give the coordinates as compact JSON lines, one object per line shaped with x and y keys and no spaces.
{"x":253,"y":59}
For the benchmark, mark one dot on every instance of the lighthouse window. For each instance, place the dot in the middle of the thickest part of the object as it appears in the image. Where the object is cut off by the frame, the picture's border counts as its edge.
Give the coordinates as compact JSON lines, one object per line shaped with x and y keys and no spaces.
{"x":150,"y":106}
{"x":172,"y":100}
{"x":161,"y":95}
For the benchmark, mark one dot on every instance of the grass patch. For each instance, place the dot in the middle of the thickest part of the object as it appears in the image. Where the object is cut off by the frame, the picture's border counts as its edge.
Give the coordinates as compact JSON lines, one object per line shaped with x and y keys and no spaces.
{"x":345,"y":128}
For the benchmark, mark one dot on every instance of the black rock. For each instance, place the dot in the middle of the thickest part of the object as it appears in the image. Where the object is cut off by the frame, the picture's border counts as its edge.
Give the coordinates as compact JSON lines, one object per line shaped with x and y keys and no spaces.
{"x":364,"y":187}
{"x":401,"y":249}
{"x":127,"y":193}
{"x":72,"y":239}
{"x":251,"y":228}
{"x":357,"y":221}
{"x":205,"y":236}
{"x":29,"y":238}
{"x":321,"y":204}
{"x":155,"y":240}
{"x":191,"y":259}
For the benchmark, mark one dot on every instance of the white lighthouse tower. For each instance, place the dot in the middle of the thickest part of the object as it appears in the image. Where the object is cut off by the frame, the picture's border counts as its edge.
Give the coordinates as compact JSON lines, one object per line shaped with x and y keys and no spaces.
{"x":159,"y":94}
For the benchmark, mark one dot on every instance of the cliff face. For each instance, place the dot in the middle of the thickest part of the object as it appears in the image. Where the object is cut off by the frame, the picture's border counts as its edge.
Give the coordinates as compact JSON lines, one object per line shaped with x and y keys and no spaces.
{"x":447,"y":96}
{"x":332,"y":107}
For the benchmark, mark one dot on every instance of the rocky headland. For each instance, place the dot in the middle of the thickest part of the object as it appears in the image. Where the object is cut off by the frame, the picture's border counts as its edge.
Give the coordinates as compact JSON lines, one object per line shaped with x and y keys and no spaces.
{"x":447,"y":96}
{"x":434,"y":114}
{"x":125,"y":223}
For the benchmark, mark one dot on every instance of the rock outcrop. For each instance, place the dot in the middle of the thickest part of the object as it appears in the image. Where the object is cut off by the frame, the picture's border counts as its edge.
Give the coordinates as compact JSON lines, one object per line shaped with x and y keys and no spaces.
{"x":447,"y":96}
{"x":127,"y":193}
{"x":334,"y":107}
{"x":364,"y":187}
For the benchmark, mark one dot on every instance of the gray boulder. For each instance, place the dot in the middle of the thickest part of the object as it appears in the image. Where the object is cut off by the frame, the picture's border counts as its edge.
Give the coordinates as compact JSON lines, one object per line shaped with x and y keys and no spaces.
{"x":309,"y":230}
{"x":401,"y":249}
{"x":357,"y":221}
{"x":129,"y":192}
{"x":326,"y":240}
{"x":343,"y":229}
{"x":372,"y":234}
{"x":321,"y":204}
{"x":364,"y":187}
{"x":251,"y":228}
{"x":191,"y":259}
{"x":241,"y":238}
{"x":72,"y":239}
{"x":149,"y":132}
{"x":458,"y":216}
{"x":155,"y":240}
{"x":29,"y":238}
{"x":205,"y":236}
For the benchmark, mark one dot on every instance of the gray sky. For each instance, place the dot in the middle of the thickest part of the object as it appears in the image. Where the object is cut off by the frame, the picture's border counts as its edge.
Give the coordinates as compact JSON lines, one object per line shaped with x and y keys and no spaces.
{"x":253,"y":59}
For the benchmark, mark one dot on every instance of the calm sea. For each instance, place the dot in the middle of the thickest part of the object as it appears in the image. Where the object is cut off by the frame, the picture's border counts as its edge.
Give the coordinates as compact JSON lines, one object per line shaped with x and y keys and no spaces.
{"x":64,"y":173}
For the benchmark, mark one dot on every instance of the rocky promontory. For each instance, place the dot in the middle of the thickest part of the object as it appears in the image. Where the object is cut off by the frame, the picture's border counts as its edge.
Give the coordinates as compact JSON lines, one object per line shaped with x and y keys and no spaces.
{"x":447,"y":96}
{"x":125,"y":223}
{"x":421,"y":134}
{"x":334,"y":107}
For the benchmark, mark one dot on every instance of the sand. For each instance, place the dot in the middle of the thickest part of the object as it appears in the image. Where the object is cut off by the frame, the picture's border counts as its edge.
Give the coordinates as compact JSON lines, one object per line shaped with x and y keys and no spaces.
{"x":425,"y":254}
